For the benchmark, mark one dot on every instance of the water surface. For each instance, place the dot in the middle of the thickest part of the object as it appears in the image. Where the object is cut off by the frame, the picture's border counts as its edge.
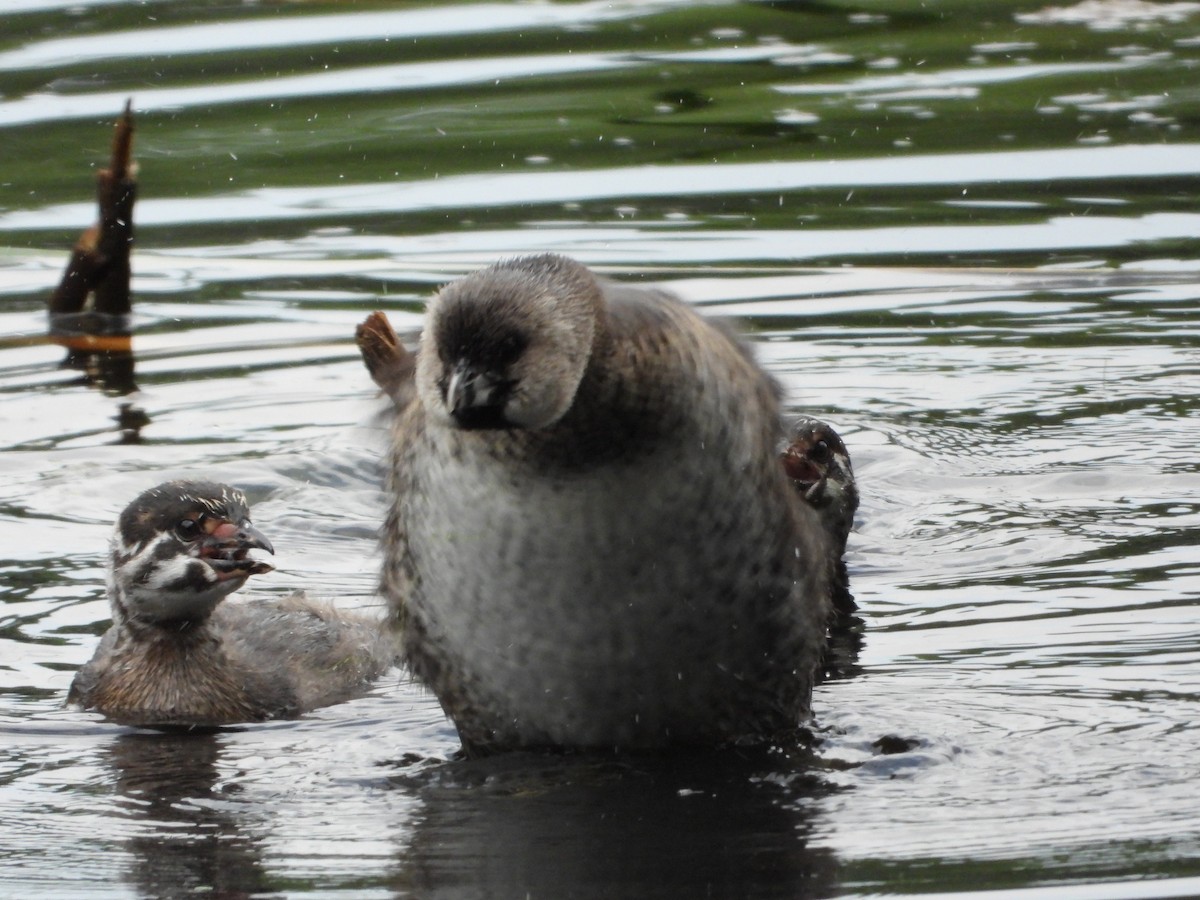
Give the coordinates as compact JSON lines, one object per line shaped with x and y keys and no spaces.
{"x":964,"y":233}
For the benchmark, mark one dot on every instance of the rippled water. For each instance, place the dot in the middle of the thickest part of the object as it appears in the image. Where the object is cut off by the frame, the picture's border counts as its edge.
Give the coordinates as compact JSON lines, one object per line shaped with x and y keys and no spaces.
{"x":963,"y":232}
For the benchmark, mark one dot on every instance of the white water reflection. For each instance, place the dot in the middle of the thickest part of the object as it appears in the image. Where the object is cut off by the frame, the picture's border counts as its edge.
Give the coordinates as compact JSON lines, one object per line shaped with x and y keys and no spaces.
{"x":288,"y":30}
{"x":1126,"y":162}
{"x":408,"y":77}
{"x":48,"y":107}
{"x":1112,"y":15}
{"x":959,"y":82}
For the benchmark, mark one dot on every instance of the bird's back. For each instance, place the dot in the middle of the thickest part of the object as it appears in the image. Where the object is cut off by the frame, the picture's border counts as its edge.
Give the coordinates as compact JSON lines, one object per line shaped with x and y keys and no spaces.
{"x":323,"y":655}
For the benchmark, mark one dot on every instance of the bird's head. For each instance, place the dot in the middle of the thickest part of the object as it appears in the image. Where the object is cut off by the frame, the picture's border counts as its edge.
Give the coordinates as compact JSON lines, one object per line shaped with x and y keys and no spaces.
{"x":507,"y":347}
{"x":179,"y":549}
{"x":818,"y":466}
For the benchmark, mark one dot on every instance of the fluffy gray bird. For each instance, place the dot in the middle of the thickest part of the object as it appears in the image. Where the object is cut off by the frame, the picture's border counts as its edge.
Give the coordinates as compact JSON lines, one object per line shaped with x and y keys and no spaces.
{"x":177,"y":656}
{"x":592,"y":542}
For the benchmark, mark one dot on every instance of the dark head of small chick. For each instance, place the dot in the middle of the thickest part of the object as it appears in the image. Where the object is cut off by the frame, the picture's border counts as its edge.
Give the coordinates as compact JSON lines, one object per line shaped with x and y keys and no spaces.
{"x":818,"y":466}
{"x":178,"y":550}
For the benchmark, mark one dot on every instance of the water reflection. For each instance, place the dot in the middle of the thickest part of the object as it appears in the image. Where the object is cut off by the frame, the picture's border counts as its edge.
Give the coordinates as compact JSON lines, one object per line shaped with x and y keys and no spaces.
{"x":526,"y":826}
{"x":100,"y":347}
{"x":187,"y":837}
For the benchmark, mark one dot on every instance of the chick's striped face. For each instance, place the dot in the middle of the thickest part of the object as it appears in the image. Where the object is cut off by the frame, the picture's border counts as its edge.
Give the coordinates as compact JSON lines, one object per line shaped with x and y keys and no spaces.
{"x":179,"y":549}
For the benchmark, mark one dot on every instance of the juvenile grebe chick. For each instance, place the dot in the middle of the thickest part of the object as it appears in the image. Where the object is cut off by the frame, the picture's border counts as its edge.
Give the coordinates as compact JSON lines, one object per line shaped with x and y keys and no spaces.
{"x":817,"y":464}
{"x":177,"y":656}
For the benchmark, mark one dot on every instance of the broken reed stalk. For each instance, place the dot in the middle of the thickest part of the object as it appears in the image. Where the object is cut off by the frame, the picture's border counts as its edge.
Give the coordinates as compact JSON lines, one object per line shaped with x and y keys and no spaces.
{"x":99,"y":264}
{"x":90,"y":309}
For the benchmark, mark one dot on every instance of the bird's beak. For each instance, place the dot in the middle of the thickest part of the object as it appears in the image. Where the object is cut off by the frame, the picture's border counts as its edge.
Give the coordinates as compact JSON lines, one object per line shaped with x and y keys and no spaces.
{"x":227,"y":546}
{"x":800,"y":468}
{"x":476,"y":399}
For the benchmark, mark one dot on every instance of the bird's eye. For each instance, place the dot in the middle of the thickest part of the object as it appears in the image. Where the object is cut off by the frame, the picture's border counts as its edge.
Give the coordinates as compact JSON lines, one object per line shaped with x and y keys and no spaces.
{"x":820,"y":452}
{"x":188,"y":529}
{"x":509,"y":347}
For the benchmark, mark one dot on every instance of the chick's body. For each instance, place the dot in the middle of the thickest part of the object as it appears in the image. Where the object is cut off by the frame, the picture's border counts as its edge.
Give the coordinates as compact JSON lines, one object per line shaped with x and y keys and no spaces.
{"x":179,"y":654}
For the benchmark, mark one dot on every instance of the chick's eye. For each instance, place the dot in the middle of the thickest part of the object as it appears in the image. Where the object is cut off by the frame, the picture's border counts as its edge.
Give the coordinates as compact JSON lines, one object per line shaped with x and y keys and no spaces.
{"x":820,"y":452}
{"x":188,"y":529}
